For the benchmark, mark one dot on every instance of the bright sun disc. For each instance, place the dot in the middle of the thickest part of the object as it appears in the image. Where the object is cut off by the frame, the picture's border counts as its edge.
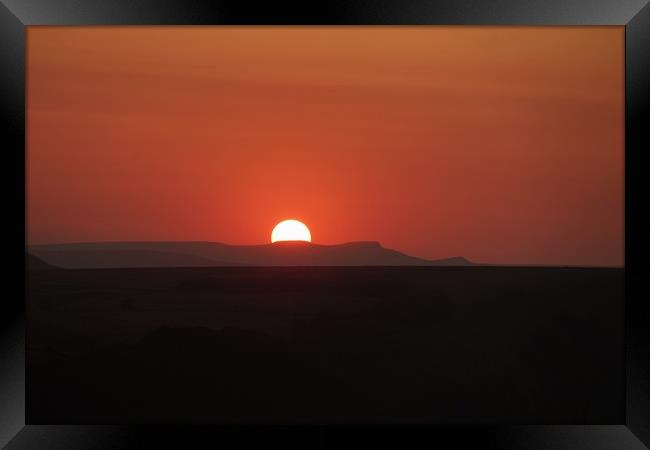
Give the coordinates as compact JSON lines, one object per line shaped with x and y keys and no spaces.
{"x":290,"y":230}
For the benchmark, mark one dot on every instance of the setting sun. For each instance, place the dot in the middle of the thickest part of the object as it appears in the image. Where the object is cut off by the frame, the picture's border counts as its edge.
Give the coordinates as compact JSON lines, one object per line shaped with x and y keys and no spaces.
{"x":290,"y":230}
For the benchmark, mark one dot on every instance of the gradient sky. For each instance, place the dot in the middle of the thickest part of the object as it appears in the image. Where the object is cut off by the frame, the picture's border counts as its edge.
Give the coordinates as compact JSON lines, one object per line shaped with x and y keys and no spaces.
{"x":500,"y":144}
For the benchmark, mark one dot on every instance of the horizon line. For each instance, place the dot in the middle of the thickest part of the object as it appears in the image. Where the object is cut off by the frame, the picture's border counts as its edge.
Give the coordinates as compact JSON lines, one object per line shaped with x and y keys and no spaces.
{"x":475,"y":263}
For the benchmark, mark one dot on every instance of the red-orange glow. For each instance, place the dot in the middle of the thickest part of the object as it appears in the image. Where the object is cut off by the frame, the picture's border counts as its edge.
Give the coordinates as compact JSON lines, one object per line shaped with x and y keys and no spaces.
{"x":500,"y":144}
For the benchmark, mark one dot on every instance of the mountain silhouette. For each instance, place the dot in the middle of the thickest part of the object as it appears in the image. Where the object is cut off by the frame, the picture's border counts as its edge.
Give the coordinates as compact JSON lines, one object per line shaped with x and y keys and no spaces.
{"x":210,"y":254}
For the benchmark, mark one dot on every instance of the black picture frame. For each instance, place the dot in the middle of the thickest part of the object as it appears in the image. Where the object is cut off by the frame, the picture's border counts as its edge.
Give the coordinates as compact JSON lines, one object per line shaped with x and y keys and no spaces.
{"x":634,"y":15}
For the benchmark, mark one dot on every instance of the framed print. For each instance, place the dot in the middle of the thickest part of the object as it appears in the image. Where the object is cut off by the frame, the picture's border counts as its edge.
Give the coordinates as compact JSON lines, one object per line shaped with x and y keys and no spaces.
{"x":289,"y":223}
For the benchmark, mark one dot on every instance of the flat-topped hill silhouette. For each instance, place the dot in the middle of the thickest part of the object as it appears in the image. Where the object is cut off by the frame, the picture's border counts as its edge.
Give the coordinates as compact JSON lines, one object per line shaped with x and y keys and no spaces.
{"x":207,"y":254}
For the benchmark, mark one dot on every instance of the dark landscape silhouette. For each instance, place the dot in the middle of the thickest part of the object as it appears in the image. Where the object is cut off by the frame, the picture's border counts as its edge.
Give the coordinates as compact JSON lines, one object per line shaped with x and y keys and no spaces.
{"x":198,"y":254}
{"x":313,"y":344}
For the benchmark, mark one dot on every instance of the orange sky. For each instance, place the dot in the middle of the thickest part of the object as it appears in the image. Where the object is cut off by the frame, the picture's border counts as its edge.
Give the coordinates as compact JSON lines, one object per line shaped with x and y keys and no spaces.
{"x":500,"y":144}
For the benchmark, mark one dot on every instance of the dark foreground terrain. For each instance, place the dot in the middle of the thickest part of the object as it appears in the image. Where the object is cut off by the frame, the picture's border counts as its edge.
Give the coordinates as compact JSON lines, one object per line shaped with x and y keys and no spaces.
{"x":326,"y":344}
